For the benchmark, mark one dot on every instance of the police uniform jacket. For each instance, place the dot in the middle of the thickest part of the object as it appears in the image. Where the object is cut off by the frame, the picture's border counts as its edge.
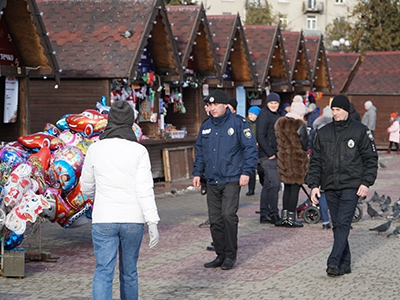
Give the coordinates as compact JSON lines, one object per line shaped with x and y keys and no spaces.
{"x":344,"y":156}
{"x":225,"y":149}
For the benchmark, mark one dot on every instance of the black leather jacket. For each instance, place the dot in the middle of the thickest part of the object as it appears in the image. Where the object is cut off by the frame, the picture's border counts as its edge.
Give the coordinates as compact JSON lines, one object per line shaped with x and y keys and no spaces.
{"x":344,"y":156}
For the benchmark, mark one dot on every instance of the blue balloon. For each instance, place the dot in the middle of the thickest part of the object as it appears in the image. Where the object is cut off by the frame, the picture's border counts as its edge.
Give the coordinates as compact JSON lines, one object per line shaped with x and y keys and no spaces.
{"x":13,"y":240}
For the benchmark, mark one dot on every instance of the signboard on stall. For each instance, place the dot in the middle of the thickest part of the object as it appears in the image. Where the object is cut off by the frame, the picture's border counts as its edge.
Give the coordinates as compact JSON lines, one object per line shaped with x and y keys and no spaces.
{"x":10,"y":100}
{"x":8,"y":52}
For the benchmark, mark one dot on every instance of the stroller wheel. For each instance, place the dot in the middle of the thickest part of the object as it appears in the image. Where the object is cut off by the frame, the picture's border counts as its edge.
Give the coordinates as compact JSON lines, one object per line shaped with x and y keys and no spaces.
{"x":358,"y":214}
{"x":312,"y":215}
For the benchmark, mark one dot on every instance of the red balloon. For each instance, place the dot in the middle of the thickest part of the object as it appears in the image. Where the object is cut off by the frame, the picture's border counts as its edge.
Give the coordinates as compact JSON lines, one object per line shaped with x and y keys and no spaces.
{"x":43,"y":155}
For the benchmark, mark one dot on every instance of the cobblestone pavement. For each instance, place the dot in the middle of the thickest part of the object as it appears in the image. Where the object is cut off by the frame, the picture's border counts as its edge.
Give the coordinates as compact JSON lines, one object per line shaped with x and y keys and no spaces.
{"x":273,"y":262}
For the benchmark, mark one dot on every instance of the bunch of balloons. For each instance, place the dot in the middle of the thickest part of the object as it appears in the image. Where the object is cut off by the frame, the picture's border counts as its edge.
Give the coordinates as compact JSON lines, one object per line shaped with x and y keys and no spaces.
{"x":40,"y":172}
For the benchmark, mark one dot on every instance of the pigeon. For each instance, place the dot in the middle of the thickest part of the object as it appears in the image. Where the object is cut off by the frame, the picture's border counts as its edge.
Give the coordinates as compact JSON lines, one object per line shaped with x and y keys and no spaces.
{"x":382,"y":165}
{"x":396,"y":231}
{"x":388,"y":200}
{"x":385,"y":208}
{"x":375,"y":197}
{"x":383,"y":227}
{"x":174,"y":192}
{"x":372,"y":212}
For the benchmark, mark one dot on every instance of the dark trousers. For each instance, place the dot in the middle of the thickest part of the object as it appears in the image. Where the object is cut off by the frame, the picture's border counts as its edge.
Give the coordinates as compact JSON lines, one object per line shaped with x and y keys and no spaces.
{"x":290,"y":197}
{"x":270,"y":190}
{"x":342,"y":205}
{"x":252,"y":179}
{"x":223,"y":204}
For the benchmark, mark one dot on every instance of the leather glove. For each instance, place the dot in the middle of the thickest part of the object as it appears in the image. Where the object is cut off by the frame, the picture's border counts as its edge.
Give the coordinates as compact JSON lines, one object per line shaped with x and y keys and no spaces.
{"x":153,"y":234}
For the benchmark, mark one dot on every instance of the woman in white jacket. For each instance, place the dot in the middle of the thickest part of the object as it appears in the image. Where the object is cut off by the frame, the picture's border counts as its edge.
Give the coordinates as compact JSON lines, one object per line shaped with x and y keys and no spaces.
{"x":393,"y":131}
{"x":117,"y":175}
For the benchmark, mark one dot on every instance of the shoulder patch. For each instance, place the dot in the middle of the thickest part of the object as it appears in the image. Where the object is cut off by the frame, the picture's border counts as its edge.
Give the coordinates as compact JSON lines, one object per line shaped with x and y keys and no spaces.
{"x":370,"y":136}
{"x":247,"y":132}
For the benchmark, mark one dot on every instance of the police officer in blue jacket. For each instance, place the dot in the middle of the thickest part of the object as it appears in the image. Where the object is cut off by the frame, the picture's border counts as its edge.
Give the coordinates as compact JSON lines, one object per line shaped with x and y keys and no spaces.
{"x":226,"y":152}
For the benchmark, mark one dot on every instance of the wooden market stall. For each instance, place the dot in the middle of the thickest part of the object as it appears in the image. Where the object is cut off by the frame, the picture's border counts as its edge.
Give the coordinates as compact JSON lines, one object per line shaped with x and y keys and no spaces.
{"x":267,"y":51}
{"x":25,"y":50}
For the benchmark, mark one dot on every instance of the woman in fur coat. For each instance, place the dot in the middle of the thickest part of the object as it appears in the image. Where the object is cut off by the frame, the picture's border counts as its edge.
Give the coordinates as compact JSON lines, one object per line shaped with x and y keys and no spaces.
{"x":292,"y":139}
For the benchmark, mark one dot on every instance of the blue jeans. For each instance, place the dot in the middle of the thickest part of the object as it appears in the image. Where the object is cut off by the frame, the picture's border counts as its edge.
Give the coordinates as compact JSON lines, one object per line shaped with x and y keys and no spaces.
{"x":108,"y":239}
{"x":342,"y":205}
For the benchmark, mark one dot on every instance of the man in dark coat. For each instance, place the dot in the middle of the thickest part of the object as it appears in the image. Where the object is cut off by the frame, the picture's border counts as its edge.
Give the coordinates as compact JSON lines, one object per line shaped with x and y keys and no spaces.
{"x":344,"y":164}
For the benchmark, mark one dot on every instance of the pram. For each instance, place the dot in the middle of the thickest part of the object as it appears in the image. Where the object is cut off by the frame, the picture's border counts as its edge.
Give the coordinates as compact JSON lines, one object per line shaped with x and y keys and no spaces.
{"x":311,"y":214}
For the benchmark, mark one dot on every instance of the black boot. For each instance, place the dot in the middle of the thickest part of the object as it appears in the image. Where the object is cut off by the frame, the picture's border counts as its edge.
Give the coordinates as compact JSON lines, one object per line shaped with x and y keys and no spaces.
{"x":291,"y":220}
{"x":283,"y":220}
{"x":250,"y":193}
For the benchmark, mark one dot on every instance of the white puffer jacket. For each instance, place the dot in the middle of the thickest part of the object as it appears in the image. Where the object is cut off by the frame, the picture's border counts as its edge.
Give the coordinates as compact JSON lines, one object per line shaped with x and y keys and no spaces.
{"x":117,"y":175}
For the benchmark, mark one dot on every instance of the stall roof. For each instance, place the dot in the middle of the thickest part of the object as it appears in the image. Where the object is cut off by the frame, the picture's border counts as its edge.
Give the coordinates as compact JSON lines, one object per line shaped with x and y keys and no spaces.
{"x":267,"y":52}
{"x":318,"y":64}
{"x":378,"y":74}
{"x":342,"y":68}
{"x":26,"y":28}
{"x":297,"y":60}
{"x":193,"y":39}
{"x":106,"y":38}
{"x":231,"y":48}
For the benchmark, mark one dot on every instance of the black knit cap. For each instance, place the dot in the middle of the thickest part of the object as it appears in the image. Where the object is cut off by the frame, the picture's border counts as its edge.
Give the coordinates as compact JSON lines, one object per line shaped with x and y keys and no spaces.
{"x":121,"y":113}
{"x":273,"y":97}
{"x":217,"y":96}
{"x":342,"y":102}
{"x":233,"y":102}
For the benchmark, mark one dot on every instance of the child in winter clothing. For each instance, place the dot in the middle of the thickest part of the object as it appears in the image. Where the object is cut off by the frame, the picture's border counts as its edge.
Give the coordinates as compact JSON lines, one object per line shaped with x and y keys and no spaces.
{"x":394,"y":135}
{"x":252,"y":115}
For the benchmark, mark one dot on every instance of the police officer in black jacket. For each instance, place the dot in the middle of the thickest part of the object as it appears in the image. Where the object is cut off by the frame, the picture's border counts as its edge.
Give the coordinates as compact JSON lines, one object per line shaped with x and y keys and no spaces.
{"x":344,"y":163}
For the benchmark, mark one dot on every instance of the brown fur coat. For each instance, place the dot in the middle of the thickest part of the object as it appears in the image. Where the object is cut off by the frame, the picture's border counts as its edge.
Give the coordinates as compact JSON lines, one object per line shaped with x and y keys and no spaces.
{"x":292,"y":159}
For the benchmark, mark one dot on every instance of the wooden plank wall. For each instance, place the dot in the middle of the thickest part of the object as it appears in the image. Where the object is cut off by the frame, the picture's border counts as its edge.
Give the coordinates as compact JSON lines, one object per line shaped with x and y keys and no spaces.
{"x":48,"y":105}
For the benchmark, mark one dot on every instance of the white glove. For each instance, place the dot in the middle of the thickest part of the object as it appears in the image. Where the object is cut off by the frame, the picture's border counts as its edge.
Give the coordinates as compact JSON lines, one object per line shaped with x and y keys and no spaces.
{"x":153,"y":234}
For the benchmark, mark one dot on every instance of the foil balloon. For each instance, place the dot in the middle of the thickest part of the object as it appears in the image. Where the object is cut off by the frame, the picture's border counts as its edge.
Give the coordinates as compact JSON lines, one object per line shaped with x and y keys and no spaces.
{"x":42,"y":156}
{"x":51,"y":129}
{"x":61,"y":174}
{"x":78,"y":219}
{"x":62,"y":123}
{"x":5,"y":171}
{"x":84,"y":145}
{"x":70,"y":138}
{"x":12,"y":240}
{"x":88,"y":123}
{"x":2,"y":218}
{"x":76,"y":198}
{"x":13,"y":156}
{"x":27,"y":210}
{"x":40,"y":140}
{"x":73,"y":156}
{"x":17,"y":185}
{"x":57,"y":209}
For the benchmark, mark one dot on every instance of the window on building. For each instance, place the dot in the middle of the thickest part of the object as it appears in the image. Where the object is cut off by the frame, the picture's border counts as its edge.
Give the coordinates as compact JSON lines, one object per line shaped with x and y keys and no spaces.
{"x":339,"y":1}
{"x":311,"y":22}
{"x":311,"y":4}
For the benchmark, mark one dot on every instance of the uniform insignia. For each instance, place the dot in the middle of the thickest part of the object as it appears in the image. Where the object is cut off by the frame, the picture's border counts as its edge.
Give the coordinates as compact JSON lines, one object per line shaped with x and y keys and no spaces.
{"x":370,"y":136}
{"x":206,"y":131}
{"x":247,"y":132}
{"x":350,"y":144}
{"x":231,"y":131}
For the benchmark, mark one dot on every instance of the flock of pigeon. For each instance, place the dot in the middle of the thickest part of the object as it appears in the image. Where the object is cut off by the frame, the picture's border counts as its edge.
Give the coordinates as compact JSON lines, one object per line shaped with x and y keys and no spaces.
{"x":385,"y":210}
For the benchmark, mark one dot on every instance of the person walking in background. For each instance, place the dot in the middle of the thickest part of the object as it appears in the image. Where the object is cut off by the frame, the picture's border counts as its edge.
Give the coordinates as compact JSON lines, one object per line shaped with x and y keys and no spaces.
{"x":393,"y":131}
{"x":369,"y":117}
{"x":252,"y":115}
{"x":292,"y":139}
{"x":354,"y":113}
{"x":312,"y":115}
{"x":233,"y":105}
{"x":226,"y":152}
{"x":323,"y":205}
{"x":267,"y":151}
{"x":285,"y":109}
{"x":344,"y":164}
{"x":117,"y":175}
